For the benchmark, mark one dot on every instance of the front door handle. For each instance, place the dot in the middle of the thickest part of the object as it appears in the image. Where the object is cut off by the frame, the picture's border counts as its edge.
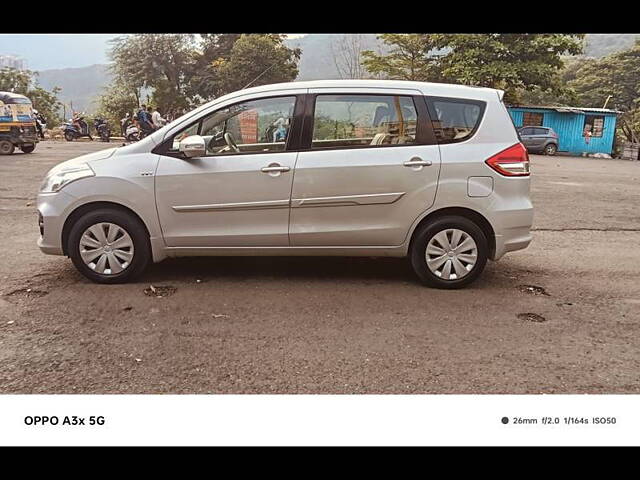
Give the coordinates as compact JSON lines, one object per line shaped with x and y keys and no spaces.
{"x":274,"y":167}
{"x":417,"y":162}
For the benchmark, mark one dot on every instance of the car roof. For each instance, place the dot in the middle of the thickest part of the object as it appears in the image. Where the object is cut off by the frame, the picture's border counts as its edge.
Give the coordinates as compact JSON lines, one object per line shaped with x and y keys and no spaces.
{"x":430,"y":88}
{"x":426,"y":88}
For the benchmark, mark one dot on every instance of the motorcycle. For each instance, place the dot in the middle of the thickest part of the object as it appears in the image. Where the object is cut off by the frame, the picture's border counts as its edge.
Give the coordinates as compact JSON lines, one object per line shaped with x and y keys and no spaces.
{"x":102,"y":127}
{"x":71,"y":131}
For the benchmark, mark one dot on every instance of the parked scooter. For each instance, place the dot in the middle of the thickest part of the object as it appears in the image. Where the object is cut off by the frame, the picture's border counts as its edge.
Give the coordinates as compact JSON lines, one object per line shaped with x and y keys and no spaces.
{"x":102,"y":127}
{"x":132,"y":133}
{"x":71,"y":131}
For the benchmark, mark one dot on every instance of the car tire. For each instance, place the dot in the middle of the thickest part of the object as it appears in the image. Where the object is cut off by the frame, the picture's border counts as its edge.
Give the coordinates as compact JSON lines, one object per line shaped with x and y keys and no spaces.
{"x":116,"y":260}
{"x":6,"y":147}
{"x":463,"y":238}
{"x":28,"y":149}
{"x":551,"y":149}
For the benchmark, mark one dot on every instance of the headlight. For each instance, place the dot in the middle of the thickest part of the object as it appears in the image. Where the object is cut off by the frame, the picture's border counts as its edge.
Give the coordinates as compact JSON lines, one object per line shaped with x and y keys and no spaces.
{"x":57,"y":180}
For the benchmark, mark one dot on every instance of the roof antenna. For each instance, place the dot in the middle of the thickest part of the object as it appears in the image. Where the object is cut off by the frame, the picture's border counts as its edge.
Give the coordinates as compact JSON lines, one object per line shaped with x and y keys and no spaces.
{"x":252,"y":81}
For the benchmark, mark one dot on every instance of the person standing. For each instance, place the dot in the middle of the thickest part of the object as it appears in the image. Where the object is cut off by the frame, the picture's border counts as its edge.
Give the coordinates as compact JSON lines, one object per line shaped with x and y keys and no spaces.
{"x":124,"y":124}
{"x":40,"y":122}
{"x":157,"y":120}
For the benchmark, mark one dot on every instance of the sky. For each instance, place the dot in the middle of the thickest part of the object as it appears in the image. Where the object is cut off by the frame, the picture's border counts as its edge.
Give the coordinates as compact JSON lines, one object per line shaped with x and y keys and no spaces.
{"x":48,"y":51}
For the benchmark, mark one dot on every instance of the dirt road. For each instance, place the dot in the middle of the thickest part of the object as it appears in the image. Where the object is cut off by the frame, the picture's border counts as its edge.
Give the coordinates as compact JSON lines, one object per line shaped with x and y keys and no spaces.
{"x":335,"y":325}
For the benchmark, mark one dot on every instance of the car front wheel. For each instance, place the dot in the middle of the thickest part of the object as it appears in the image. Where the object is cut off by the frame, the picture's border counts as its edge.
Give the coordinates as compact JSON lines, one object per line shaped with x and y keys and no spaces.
{"x":450,"y":252}
{"x":109,"y":246}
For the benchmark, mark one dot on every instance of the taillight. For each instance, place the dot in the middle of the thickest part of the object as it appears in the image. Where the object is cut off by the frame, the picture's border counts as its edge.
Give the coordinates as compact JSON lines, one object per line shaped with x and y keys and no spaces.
{"x":512,"y":162}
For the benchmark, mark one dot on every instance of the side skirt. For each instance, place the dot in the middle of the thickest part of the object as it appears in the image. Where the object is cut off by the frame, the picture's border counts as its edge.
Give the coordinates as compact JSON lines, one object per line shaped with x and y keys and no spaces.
{"x":382,"y":251}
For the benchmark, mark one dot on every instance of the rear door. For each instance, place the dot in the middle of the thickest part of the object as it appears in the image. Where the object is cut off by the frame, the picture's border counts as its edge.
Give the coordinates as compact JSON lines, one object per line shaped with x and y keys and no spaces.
{"x":369,"y":167}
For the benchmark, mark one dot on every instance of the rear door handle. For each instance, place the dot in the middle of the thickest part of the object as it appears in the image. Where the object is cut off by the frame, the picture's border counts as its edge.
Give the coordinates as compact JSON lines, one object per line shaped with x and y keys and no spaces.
{"x":417,"y":162}
{"x":275,"y":168}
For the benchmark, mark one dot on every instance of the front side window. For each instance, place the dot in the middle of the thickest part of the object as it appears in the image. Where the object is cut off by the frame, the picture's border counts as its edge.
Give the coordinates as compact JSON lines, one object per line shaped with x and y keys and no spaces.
{"x":255,"y":126}
{"x":454,"y":120}
{"x":593,"y":124}
{"x":346,"y":121}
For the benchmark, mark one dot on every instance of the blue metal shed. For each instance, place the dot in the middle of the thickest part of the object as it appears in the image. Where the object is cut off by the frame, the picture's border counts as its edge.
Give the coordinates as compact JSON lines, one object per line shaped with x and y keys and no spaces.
{"x":571,"y":123}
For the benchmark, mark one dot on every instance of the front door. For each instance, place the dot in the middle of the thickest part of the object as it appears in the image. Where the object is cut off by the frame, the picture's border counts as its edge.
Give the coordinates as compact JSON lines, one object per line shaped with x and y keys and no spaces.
{"x":238,"y":194}
{"x":539,"y":138}
{"x":526,"y":135}
{"x":370,"y":170}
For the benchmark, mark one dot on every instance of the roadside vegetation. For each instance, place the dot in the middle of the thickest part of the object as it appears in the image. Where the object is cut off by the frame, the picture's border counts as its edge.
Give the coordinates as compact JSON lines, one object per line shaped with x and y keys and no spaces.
{"x":177,"y":72}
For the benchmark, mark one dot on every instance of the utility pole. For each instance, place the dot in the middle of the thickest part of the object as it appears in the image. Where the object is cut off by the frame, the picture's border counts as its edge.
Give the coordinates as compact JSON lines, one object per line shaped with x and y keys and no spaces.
{"x":607,"y":101}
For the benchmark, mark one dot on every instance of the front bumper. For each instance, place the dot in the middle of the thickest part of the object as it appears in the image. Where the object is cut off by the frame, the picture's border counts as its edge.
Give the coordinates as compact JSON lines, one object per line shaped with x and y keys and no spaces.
{"x":52,"y":210}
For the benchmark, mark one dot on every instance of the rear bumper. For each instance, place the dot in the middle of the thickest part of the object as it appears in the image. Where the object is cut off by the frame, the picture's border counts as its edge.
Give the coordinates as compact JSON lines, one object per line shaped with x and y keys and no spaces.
{"x":514,"y":232}
{"x":514,"y":239}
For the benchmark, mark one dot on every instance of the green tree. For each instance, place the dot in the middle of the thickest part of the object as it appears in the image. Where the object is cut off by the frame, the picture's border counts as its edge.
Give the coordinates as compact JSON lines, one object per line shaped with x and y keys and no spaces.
{"x":511,"y":62}
{"x":409,"y":57}
{"x":162,"y":62}
{"x":214,"y":48}
{"x":115,"y":103}
{"x":615,"y":77}
{"x":24,"y":83}
{"x":254,"y":59}
{"x":183,"y":70}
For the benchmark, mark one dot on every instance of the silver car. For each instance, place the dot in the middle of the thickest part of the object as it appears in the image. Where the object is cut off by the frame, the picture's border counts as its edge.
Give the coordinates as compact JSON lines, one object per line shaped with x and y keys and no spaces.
{"x":432,"y":172}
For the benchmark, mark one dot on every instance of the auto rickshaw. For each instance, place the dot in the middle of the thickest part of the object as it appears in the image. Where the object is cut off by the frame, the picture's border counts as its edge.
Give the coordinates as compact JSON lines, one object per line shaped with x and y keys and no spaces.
{"x":17,"y":125}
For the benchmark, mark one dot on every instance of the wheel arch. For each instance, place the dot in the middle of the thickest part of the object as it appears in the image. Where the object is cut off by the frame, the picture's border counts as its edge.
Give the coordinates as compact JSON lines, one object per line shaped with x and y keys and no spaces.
{"x":87,"y":207}
{"x":465,"y":212}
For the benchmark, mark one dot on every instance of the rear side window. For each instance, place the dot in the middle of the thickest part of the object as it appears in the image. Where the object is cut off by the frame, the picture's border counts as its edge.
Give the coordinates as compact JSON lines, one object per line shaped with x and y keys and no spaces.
{"x":347,"y":121}
{"x":454,"y":119}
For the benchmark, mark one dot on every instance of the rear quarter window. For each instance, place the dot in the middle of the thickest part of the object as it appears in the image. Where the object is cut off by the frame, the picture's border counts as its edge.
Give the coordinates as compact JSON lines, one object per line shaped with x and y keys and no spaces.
{"x":454,"y":119}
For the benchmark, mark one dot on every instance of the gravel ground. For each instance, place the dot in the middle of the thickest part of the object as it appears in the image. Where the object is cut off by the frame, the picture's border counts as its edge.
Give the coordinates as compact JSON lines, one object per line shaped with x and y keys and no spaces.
{"x":335,"y":325}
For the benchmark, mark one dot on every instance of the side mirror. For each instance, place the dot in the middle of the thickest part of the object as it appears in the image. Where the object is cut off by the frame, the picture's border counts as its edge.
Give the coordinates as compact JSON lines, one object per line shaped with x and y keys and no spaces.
{"x":192,"y":146}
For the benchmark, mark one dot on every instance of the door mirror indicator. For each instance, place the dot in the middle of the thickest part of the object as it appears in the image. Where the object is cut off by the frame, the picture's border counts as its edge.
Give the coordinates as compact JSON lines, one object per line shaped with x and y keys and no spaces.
{"x":192,"y":146}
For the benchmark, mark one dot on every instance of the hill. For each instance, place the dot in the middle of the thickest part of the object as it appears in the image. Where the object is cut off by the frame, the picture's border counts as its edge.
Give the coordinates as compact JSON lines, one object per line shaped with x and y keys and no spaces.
{"x":80,"y":86}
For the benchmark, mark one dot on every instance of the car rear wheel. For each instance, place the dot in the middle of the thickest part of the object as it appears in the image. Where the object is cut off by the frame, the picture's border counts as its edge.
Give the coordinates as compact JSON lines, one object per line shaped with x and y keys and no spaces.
{"x":109,"y":246}
{"x":550,"y":149}
{"x":450,"y":252}
{"x":6,"y":147}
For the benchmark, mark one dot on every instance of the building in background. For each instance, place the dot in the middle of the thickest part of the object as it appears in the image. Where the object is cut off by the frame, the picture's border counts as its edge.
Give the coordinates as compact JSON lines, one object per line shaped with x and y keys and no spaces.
{"x":11,"y":61}
{"x":580,"y":130}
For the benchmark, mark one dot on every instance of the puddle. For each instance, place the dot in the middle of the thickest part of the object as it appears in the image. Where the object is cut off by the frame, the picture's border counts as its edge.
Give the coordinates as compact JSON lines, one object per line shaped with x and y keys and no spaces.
{"x":531,"y":317}
{"x":533,"y":290}
{"x":165,"y":291}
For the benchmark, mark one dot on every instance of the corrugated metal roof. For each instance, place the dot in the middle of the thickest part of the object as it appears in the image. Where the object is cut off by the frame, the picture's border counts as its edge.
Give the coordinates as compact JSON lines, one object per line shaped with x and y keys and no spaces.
{"x":568,"y":109}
